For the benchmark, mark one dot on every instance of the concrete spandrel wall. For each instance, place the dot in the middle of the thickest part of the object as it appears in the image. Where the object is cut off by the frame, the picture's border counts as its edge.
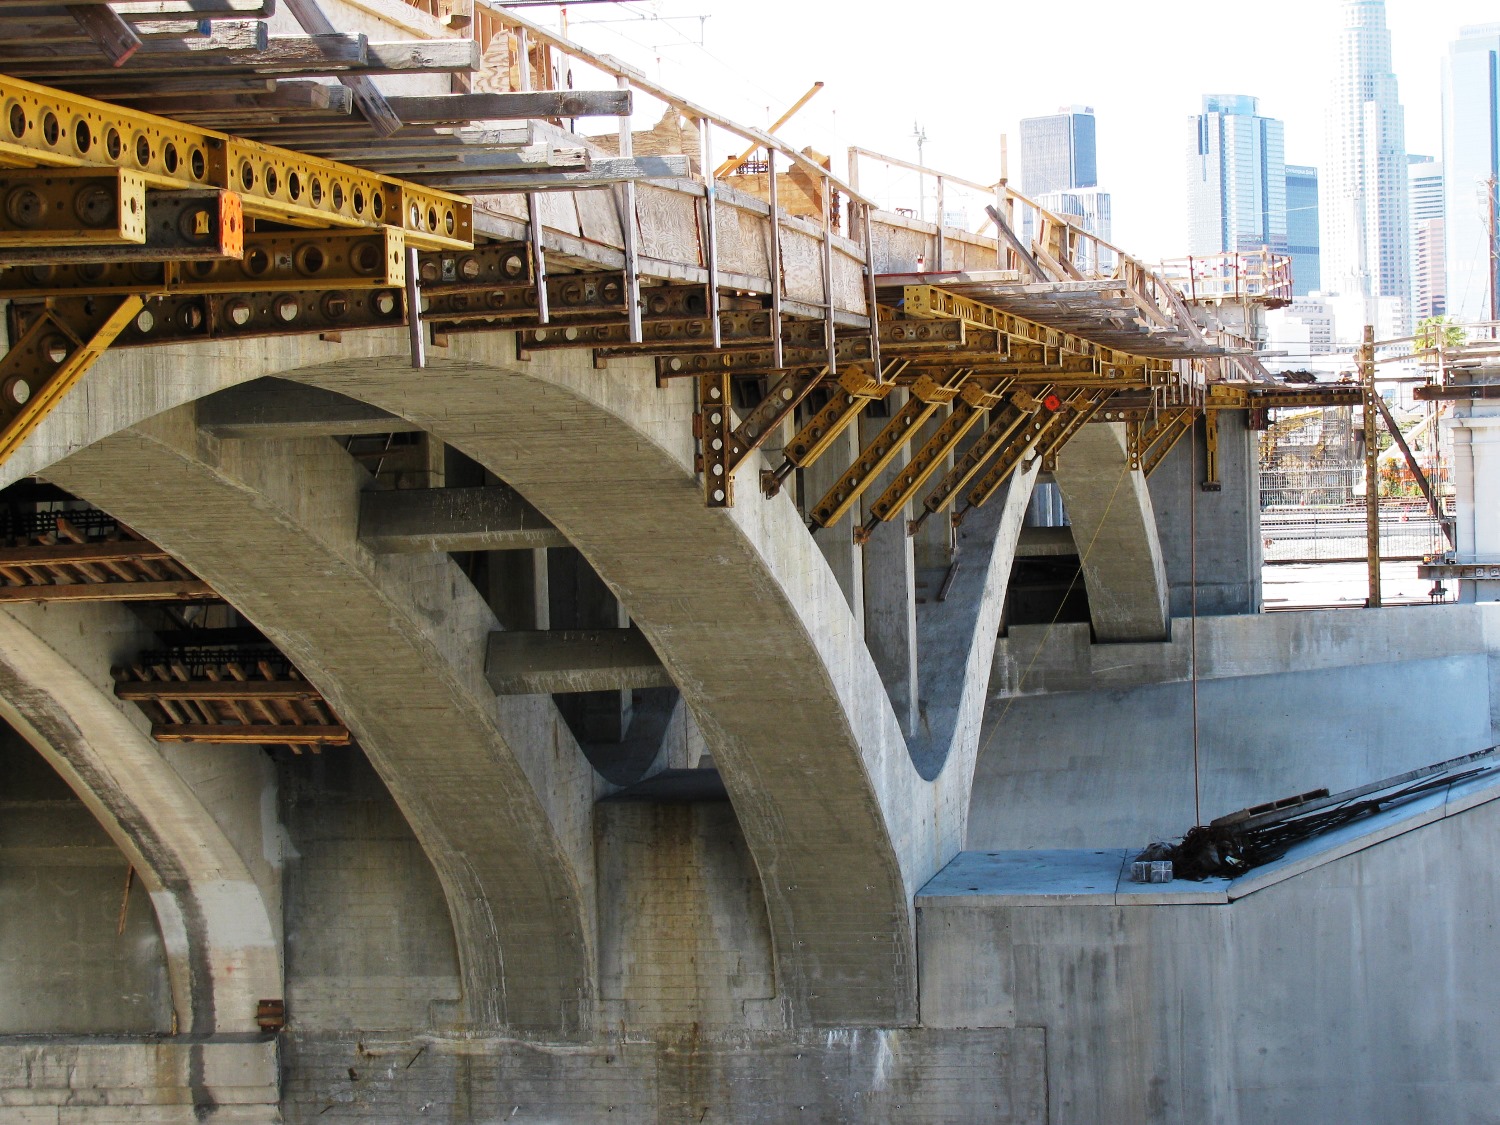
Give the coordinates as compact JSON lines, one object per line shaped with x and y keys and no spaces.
{"x":1228,"y":542}
{"x":1114,"y":766}
{"x":369,"y":944}
{"x":64,"y":965}
{"x":1362,"y":991}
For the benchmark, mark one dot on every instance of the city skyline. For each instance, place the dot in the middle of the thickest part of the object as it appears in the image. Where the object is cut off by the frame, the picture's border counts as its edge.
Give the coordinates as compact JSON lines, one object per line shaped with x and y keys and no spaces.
{"x":1282,"y":57}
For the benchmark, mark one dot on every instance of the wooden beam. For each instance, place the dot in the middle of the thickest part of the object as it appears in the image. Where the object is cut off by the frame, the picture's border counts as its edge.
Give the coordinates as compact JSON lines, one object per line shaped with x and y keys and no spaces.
{"x":178,"y":591}
{"x":68,"y":554}
{"x":234,"y":39}
{"x":148,"y":691}
{"x":255,"y":733}
{"x":149,"y":10}
{"x":372,"y":103}
{"x":110,"y":33}
{"x":603,"y":172}
{"x":287,"y":97}
{"x":513,"y":106}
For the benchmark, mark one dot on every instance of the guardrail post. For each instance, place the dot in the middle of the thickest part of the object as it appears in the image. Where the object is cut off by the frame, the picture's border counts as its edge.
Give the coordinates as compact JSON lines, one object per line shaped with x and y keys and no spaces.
{"x":710,"y":227}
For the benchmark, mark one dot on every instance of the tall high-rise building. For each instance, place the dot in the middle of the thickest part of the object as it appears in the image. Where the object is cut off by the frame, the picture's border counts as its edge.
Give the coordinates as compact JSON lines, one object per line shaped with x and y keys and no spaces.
{"x":1428,"y":266}
{"x":1058,"y":151}
{"x":1060,"y":171}
{"x":1236,"y":177}
{"x":1364,"y":183}
{"x":1471,"y":165}
{"x":1302,"y":228}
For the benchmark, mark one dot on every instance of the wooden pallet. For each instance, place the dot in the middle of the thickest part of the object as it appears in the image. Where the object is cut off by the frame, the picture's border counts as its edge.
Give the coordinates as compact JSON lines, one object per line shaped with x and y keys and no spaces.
{"x":230,"y":698}
{"x":80,"y":557}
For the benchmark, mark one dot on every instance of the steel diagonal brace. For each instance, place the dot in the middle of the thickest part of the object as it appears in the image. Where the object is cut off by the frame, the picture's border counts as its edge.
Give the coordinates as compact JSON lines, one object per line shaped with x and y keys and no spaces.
{"x":857,"y":388}
{"x":1047,"y":452}
{"x":926,"y":397}
{"x":1012,"y":417}
{"x":1169,"y":438}
{"x":46,"y":362}
{"x":1039,"y":432}
{"x":974,"y":401}
{"x":785,"y":395}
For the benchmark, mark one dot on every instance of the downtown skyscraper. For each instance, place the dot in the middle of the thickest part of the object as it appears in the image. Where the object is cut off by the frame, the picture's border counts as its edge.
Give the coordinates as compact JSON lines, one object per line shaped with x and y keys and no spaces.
{"x":1366,"y":254}
{"x":1236,"y":170}
{"x":1471,"y":166}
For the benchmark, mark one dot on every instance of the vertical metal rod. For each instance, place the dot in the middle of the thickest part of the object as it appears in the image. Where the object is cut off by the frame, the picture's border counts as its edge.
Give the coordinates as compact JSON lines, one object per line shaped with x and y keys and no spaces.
{"x":414,"y":310}
{"x":1372,"y":465}
{"x":870,"y":307}
{"x":774,"y":246}
{"x":940,"y":246}
{"x":533,"y":201}
{"x":828,"y":325}
{"x":629,"y":230}
{"x":710,"y":227}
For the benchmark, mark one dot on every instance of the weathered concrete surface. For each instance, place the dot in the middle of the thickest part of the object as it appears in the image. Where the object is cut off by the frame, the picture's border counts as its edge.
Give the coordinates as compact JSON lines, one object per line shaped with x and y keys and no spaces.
{"x":61,"y":883}
{"x":1098,"y":749}
{"x":840,"y":1076}
{"x":496,"y":790}
{"x":218,"y":921}
{"x":564,"y":660}
{"x":1114,"y":527}
{"x":452,"y":519}
{"x":1355,"y":991}
{"x":956,"y":637}
{"x":1225,"y":554}
{"x":184,"y":1080}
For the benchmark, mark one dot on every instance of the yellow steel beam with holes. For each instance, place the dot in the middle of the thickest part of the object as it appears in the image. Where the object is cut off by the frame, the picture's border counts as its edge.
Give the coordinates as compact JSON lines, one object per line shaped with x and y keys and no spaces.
{"x":1053,"y":445}
{"x":293,"y":262}
{"x":44,"y":365}
{"x":928,"y":301}
{"x":715,"y":427}
{"x":856,"y":390}
{"x":1211,"y":451}
{"x":43,"y":127}
{"x":1011,"y":418}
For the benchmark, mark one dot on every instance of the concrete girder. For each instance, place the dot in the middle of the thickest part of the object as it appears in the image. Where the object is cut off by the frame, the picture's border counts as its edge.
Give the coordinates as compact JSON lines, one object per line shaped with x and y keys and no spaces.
{"x":222,"y":945}
{"x":494,"y":789}
{"x":451,"y":519}
{"x":1114,"y":529}
{"x":752,"y":626}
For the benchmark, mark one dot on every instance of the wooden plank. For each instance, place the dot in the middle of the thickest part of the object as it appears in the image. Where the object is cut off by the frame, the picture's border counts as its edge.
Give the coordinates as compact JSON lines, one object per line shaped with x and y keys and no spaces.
{"x":261,"y":733}
{"x":603,"y":172}
{"x":372,"y":104}
{"x":234,"y":38}
{"x":122,"y":551}
{"x":218,"y":690}
{"x":287,"y":97}
{"x":513,"y":106}
{"x":177,"y":591}
{"x":148,"y":10}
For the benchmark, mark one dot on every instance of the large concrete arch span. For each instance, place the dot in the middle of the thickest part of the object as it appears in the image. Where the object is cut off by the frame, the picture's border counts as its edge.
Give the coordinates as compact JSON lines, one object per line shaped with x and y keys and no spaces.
{"x":495,"y":790}
{"x":222,"y":944}
{"x":745,"y":614}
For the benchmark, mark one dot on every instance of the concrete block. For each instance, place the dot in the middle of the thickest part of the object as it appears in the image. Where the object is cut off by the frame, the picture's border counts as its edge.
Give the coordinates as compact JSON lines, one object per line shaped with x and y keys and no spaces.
{"x":452,"y":519}
{"x":570,"y":660}
{"x":1024,"y":878}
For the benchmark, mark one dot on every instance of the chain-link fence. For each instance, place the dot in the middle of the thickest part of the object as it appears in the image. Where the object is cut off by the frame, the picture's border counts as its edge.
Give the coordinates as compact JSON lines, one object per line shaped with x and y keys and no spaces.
{"x":1317,"y":514}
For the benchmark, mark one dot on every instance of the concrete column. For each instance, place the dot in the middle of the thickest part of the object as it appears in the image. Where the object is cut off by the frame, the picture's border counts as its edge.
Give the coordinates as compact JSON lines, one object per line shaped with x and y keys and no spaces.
{"x":837,"y":543}
{"x":1476,"y":464}
{"x":890,"y":579}
{"x":1114,"y":529}
{"x":579,"y":599}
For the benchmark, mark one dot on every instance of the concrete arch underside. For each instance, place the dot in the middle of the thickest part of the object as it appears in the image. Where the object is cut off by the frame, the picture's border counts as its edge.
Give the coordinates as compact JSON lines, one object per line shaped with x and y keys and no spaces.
{"x":739,"y":604}
{"x":221,"y":940}
{"x":496,"y":790}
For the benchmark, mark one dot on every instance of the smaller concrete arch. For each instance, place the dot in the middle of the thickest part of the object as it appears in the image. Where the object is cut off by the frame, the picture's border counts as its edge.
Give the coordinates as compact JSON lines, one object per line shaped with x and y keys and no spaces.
{"x":1114,"y":529}
{"x":222,"y":943}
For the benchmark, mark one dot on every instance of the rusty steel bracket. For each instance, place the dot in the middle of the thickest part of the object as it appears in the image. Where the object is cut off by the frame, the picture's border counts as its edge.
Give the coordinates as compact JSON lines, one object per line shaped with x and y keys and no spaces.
{"x":1167,"y":438}
{"x":47,"y":360}
{"x":857,"y":388}
{"x":495,"y":263}
{"x":1211,"y":482}
{"x":582,"y":296}
{"x":179,"y":226}
{"x":72,"y":207}
{"x":780,"y":402}
{"x":179,"y":318}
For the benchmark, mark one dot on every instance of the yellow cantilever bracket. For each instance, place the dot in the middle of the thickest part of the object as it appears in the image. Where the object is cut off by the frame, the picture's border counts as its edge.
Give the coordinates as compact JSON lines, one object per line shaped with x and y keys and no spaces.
{"x":44,"y":127}
{"x":46,"y":362}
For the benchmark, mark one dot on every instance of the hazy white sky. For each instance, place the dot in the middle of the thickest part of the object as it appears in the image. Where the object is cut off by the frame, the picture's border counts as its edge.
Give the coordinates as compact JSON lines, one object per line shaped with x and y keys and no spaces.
{"x":969,"y":71}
